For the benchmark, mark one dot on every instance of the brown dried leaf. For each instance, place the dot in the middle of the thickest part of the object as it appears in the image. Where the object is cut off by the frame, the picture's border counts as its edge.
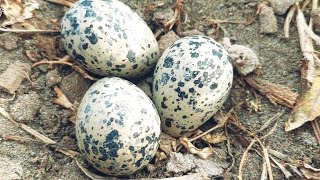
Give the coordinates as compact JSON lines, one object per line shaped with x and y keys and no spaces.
{"x":307,"y":108}
{"x":308,"y":171}
{"x":167,"y":143}
{"x":62,"y":99}
{"x":202,"y":153}
{"x":16,"y":11}
{"x":214,"y":138}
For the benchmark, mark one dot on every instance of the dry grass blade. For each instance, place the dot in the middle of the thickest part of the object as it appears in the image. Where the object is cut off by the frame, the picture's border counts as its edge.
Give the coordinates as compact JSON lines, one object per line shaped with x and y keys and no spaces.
{"x":288,"y":21}
{"x":177,"y":15}
{"x":221,"y":123}
{"x":264,"y":174}
{"x":266,"y":156}
{"x":75,"y":67}
{"x":29,"y":31}
{"x":286,"y":173}
{"x":279,"y":155}
{"x":269,"y":121}
{"x":89,"y":174}
{"x":244,"y":157}
{"x":316,"y":129}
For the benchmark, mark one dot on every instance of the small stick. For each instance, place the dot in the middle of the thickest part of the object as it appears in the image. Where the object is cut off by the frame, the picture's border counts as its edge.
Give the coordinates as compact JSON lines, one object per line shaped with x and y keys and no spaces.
{"x":28,"y":129}
{"x":219,"y":125}
{"x":29,"y":31}
{"x":75,"y":67}
{"x":61,"y":2}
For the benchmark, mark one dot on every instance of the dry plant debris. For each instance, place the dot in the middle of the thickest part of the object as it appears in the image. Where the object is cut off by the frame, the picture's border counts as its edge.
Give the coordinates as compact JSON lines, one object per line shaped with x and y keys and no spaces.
{"x":12,"y":77}
{"x":307,"y":107}
{"x":277,"y":94}
{"x":175,"y":20}
{"x":63,"y":61}
{"x":17,"y":11}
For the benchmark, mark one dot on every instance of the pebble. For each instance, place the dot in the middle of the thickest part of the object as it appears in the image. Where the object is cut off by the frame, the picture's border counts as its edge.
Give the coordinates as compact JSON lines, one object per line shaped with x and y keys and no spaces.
{"x":244,"y":59}
{"x":268,"y":21}
{"x":9,"y":42}
{"x":166,"y":40}
{"x":25,"y":107}
{"x":53,"y":78}
{"x":281,"y":6}
{"x":74,"y":86}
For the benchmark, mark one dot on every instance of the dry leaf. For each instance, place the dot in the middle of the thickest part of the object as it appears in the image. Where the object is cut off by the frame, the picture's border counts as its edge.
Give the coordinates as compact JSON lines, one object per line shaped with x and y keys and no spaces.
{"x":307,"y":108}
{"x":214,"y":138}
{"x":167,"y":143}
{"x":308,"y":171}
{"x":15,"y":11}
{"x":202,"y":153}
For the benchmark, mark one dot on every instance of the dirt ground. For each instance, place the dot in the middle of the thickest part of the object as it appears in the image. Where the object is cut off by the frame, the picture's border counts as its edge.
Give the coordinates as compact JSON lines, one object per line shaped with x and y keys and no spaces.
{"x":280,"y":63}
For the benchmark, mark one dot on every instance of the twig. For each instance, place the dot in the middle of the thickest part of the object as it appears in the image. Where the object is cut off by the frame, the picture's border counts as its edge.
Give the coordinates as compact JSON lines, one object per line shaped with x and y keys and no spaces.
{"x":28,"y":129}
{"x":219,"y":125}
{"x":61,"y":2}
{"x":275,"y":93}
{"x":176,"y":17}
{"x":29,"y":31}
{"x":75,"y":67}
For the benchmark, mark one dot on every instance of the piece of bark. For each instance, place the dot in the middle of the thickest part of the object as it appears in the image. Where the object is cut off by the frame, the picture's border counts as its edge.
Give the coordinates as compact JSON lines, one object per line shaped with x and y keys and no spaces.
{"x":12,"y":77}
{"x":276,"y":93}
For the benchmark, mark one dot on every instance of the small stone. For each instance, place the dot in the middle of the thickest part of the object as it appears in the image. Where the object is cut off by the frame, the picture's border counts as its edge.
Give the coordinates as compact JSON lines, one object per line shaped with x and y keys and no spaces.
{"x":244,"y":59}
{"x":180,"y":164}
{"x":53,"y":78}
{"x":281,"y":6}
{"x":167,"y":40}
{"x":268,"y":21}
{"x":25,"y":107}
{"x":8,"y":42}
{"x":183,"y":163}
{"x":74,"y":86}
{"x":191,"y":33}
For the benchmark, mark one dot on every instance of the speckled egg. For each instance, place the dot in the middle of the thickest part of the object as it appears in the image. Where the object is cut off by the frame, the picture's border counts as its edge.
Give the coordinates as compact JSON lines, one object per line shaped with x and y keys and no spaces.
{"x":117,"y":127}
{"x":192,"y":80}
{"x":109,"y":39}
